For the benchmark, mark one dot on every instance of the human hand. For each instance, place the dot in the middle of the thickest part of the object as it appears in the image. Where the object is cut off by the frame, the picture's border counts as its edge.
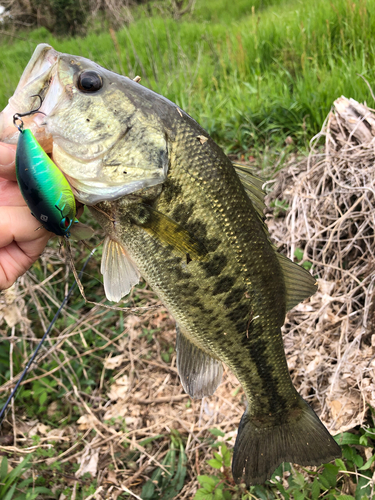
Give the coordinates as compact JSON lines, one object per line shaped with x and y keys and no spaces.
{"x":20,"y":243}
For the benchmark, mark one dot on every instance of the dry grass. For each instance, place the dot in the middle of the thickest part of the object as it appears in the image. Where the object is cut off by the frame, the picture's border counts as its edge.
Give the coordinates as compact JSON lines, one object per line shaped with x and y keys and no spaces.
{"x":137,"y":396}
{"x":330,"y":338}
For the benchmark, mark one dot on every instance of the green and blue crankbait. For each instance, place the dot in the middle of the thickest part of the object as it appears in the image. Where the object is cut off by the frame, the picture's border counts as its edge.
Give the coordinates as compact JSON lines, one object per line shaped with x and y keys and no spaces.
{"x":43,"y":186}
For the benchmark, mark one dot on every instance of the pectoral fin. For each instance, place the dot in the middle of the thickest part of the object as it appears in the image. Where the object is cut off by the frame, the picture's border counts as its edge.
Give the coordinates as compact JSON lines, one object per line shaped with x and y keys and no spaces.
{"x":168,"y":231}
{"x":200,"y":373}
{"x":120,"y":273}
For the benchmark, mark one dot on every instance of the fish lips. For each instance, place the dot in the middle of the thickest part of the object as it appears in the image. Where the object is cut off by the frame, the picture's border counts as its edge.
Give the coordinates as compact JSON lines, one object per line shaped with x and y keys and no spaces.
{"x":35,"y":81}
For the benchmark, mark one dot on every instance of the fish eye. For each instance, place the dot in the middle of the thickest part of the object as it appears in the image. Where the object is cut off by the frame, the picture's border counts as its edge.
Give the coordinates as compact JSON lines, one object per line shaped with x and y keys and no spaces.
{"x":89,"y":81}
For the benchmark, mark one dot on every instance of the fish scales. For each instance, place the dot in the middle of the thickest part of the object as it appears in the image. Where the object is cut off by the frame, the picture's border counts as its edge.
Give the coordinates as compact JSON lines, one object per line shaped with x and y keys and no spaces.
{"x":178,"y":212}
{"x":208,"y":185}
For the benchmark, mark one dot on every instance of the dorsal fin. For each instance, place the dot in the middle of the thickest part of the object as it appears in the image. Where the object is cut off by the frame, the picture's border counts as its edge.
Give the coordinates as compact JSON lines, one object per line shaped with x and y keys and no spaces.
{"x":298,"y":282}
{"x":253,"y":186}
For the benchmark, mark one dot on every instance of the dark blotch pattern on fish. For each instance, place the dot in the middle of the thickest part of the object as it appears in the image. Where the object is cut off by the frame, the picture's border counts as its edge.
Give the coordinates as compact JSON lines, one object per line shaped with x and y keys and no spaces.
{"x":212,"y":244}
{"x":171,"y":190}
{"x":182,"y":213}
{"x":257,"y":349}
{"x":223,"y":285}
{"x":161,"y":158}
{"x":235,"y":296}
{"x":236,"y":316}
{"x":98,"y":125}
{"x":199,"y":229}
{"x":215,"y":265}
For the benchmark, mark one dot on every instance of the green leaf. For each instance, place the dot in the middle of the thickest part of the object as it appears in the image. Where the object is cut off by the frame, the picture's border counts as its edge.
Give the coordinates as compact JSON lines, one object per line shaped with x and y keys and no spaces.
{"x":299,"y":479}
{"x":208,"y":481}
{"x":368,"y":464}
{"x":24,"y":483}
{"x":217,"y":432}
{"x":345,"y":497}
{"x":215,"y":463}
{"x":9,"y":495}
{"x":226,"y":458}
{"x":260,"y":492}
{"x":3,"y":468}
{"x":328,"y":477}
{"x":41,"y":489}
{"x":43,"y":398}
{"x":298,"y":253}
{"x":358,"y":460}
{"x":30,"y":495}
{"x":315,"y":490}
{"x":307,"y":265}
{"x":349,"y":453}
{"x":363,"y":485}
{"x":299,"y":495}
{"x":218,"y":495}
{"x":177,"y":483}
{"x":340,"y":463}
{"x":278,"y":472}
{"x":148,"y":490}
{"x":150,"y":439}
{"x":17,"y":471}
{"x":203,"y":495}
{"x":347,"y":438}
{"x":281,"y":488}
{"x":363,"y":440}
{"x":218,"y":457}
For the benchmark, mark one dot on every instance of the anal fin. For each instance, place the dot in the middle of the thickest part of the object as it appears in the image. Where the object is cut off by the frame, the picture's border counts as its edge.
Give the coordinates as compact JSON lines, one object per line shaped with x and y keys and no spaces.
{"x":200,"y":373}
{"x":120,"y":273}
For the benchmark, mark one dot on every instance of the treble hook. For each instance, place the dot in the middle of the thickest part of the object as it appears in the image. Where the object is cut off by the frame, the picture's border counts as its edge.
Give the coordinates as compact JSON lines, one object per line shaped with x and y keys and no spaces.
{"x":18,"y":116}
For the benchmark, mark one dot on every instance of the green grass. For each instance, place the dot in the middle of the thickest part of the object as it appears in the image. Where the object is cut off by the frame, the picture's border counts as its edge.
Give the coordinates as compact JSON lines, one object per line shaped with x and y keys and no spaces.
{"x":250,"y":76}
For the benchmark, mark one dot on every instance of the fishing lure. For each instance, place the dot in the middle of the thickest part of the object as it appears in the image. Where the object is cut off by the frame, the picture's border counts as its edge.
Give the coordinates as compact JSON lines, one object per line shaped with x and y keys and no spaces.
{"x":43,"y":186}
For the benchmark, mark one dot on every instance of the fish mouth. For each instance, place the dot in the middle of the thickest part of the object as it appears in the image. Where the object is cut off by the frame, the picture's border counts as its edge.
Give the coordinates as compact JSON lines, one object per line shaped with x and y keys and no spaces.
{"x":38,"y":79}
{"x":90,"y":148}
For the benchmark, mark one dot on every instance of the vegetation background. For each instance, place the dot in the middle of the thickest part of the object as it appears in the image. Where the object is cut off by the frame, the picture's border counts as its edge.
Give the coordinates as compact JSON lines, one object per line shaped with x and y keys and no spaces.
{"x":260,"y":76}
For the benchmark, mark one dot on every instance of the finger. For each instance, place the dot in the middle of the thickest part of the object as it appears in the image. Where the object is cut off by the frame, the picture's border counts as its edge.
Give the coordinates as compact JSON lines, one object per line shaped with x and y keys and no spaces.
{"x":10,"y":194}
{"x":13,"y":263}
{"x":7,"y":157}
{"x":17,"y":224}
{"x":20,"y":243}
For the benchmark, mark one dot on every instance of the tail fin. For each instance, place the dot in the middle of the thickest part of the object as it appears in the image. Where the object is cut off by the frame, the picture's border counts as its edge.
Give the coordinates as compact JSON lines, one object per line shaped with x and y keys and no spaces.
{"x":301,"y":439}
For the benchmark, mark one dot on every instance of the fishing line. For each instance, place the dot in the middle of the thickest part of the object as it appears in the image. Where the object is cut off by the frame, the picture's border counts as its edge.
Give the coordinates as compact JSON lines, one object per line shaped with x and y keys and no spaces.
{"x":30,"y":362}
{"x":78,"y":282}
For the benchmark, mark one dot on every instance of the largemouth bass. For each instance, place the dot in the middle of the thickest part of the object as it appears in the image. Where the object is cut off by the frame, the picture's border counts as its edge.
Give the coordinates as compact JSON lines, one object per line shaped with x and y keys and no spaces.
{"x":176,"y":212}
